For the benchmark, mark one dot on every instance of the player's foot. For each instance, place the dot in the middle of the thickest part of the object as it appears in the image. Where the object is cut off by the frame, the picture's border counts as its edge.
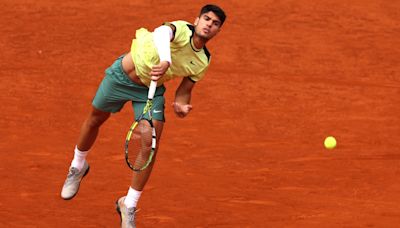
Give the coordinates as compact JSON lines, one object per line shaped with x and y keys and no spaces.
{"x":127,"y":214}
{"x":71,"y":184}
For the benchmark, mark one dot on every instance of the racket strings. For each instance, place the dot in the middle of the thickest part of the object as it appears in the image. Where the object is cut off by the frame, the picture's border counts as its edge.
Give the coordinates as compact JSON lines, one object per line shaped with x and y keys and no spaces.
{"x":141,"y":144}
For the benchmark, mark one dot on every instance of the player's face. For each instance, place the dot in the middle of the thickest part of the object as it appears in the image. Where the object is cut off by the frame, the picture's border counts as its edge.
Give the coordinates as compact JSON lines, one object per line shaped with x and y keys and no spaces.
{"x":207,"y":25}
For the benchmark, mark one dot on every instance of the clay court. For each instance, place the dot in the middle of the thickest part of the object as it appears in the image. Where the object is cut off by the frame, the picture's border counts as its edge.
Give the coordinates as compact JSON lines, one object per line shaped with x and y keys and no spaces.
{"x":284,"y":75}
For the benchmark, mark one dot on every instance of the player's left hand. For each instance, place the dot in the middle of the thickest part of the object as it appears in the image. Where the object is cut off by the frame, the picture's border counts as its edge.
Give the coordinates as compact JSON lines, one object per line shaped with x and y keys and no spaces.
{"x":157,"y":71}
{"x":181,"y":110}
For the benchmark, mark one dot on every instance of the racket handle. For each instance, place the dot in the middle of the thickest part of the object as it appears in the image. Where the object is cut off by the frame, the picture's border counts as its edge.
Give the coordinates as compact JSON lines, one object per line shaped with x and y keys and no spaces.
{"x":152,"y":89}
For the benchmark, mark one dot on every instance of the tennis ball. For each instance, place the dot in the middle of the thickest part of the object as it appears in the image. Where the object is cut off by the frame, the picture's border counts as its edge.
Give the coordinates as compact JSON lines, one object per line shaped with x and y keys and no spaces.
{"x":330,"y":142}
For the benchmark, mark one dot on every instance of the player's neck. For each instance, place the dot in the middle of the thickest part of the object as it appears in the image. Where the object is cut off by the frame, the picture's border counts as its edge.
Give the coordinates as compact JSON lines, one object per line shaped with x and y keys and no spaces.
{"x":199,"y":42}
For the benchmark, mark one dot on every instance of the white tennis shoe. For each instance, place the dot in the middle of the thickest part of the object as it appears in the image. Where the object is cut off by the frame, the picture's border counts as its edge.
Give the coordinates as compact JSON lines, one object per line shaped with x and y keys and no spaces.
{"x":74,"y":178}
{"x":127,"y":214}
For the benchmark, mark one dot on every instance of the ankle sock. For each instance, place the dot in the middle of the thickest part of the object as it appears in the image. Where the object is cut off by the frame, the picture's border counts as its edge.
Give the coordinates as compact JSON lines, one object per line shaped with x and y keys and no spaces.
{"x":79,"y":158}
{"x":132,"y":198}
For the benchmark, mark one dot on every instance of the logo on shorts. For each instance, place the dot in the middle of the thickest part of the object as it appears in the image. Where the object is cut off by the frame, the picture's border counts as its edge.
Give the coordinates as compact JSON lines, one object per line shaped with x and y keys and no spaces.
{"x":191,"y":62}
{"x":156,"y":111}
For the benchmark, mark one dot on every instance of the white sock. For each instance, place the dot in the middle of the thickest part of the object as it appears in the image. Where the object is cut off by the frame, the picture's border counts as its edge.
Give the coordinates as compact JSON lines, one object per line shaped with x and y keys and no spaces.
{"x":132,"y":198}
{"x":79,"y":158}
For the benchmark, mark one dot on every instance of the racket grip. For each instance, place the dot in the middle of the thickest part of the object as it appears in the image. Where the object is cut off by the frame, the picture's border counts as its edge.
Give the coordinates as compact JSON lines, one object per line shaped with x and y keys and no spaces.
{"x":152,"y":89}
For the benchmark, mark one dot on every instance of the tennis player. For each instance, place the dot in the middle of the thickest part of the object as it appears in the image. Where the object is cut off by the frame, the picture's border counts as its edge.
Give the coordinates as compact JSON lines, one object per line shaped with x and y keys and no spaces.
{"x":174,"y":50}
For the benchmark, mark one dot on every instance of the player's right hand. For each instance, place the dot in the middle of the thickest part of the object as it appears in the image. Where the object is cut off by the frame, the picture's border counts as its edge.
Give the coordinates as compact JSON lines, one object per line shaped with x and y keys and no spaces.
{"x":157,"y":71}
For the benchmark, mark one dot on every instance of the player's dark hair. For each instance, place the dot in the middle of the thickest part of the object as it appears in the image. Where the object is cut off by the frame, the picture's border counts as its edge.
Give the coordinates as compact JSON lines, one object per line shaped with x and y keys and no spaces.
{"x":215,"y":9}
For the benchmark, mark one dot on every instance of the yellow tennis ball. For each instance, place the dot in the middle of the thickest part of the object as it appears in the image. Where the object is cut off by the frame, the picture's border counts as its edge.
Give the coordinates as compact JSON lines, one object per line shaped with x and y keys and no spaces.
{"x":330,"y":142}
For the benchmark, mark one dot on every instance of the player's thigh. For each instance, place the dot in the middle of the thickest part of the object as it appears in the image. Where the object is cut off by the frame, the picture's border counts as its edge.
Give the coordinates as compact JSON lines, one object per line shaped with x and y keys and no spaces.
{"x":97,"y":117}
{"x":157,"y":109}
{"x":116,"y":89}
{"x":158,"y":125}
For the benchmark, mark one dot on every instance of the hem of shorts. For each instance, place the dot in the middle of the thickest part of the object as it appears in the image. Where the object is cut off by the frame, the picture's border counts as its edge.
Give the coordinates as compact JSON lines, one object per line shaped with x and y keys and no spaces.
{"x":163,"y":120}
{"x":101,"y":109}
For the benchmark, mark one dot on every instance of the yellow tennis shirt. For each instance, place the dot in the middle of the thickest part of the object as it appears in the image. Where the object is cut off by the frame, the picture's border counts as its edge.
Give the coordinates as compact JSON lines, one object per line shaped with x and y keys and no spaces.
{"x":187,"y":60}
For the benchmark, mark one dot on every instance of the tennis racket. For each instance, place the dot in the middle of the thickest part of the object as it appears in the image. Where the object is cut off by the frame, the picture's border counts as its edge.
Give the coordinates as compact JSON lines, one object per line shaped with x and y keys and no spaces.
{"x":140,"y":143}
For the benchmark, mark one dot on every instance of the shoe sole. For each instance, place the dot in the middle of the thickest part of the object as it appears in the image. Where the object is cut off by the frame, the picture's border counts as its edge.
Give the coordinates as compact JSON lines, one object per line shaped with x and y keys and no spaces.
{"x":87,"y":171}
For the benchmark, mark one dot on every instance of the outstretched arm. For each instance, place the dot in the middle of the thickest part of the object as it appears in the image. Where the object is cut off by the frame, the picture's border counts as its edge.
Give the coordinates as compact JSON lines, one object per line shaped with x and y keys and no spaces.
{"x":162,"y":37}
{"x":182,"y":105}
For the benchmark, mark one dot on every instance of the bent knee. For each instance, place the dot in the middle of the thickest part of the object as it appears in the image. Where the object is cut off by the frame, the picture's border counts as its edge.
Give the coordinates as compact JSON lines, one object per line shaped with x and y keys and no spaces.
{"x":97,"y":118}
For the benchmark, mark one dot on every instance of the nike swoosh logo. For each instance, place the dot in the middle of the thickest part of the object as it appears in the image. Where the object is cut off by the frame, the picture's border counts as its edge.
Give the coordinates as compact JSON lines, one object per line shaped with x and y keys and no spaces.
{"x":156,"y":111}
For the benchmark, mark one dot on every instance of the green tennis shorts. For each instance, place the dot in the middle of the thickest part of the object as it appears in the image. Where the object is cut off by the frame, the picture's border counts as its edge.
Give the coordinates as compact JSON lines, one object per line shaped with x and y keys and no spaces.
{"x":117,"y":88}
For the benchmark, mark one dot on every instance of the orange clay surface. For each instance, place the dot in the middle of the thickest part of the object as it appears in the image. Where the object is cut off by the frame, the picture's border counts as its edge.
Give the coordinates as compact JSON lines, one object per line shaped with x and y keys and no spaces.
{"x":284,"y":75}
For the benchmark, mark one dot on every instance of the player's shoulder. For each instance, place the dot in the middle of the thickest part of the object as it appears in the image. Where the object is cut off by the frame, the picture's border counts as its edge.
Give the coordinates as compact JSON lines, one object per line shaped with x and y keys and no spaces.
{"x":180,"y":27}
{"x":181,"y":23}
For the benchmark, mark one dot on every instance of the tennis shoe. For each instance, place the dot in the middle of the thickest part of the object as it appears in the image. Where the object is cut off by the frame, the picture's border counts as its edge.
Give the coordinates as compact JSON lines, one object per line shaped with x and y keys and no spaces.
{"x":127,"y":214}
{"x":73,"y":181}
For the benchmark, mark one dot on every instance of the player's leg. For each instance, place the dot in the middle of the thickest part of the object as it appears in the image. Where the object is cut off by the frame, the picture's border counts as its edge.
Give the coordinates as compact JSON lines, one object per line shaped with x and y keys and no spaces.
{"x":127,"y":205}
{"x":109,"y":98}
{"x":88,"y":134}
{"x":139,"y":179}
{"x":79,"y":166}
{"x":90,"y":128}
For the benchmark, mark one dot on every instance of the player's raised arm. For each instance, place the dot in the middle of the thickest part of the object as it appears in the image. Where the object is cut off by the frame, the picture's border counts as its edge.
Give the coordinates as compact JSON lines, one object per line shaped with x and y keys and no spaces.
{"x":162,"y":37}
